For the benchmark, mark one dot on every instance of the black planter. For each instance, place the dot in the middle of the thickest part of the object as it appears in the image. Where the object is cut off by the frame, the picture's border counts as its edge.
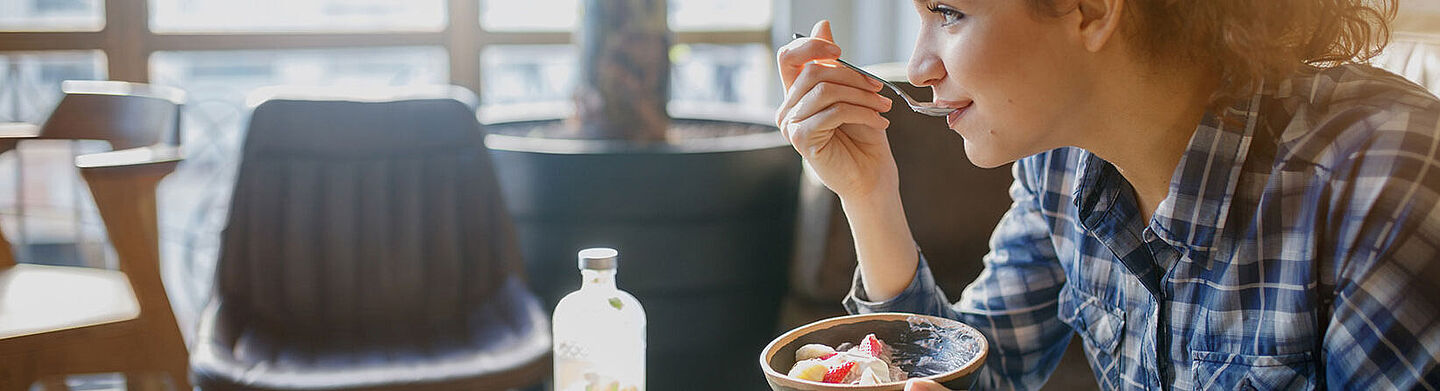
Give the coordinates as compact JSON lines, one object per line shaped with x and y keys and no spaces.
{"x":704,"y":228}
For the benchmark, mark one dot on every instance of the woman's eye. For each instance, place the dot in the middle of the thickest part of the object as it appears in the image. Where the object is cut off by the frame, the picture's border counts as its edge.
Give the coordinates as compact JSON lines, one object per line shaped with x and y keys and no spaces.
{"x":951,"y":15}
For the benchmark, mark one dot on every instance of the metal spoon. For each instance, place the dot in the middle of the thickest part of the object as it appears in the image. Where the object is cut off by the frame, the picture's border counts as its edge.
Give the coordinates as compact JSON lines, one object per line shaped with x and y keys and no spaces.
{"x":927,"y":108}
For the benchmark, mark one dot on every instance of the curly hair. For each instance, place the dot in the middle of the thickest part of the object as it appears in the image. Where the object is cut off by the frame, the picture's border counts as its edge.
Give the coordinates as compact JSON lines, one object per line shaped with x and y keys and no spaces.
{"x":1247,"y":41}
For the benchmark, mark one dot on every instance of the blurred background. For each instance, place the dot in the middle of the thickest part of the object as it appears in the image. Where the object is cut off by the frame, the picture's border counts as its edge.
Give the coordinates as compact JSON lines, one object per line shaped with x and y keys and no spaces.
{"x":518,"y":56}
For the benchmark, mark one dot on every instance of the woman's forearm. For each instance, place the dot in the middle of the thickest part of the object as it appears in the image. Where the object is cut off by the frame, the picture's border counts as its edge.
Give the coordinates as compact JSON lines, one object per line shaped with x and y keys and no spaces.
{"x":883,"y":243}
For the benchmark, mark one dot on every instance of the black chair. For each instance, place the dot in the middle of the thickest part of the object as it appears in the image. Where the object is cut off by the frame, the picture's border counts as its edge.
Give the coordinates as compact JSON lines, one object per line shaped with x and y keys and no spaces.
{"x":367,"y":248}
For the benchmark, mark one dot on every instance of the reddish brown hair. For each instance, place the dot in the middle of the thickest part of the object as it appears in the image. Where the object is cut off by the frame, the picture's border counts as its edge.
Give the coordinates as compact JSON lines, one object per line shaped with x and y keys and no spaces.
{"x":1247,"y":41}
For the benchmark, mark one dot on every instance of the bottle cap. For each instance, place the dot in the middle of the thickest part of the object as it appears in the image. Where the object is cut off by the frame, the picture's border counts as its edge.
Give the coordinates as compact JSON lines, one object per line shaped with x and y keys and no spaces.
{"x":599,"y":258}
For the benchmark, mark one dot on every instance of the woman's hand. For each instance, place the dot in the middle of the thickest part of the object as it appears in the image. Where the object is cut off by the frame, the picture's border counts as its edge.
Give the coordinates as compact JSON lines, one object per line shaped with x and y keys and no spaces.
{"x":831,"y":115}
{"x":923,"y":385}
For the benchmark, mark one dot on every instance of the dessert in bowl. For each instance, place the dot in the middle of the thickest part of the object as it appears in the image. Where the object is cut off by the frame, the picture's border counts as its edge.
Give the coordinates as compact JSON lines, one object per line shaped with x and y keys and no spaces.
{"x":939,"y":349}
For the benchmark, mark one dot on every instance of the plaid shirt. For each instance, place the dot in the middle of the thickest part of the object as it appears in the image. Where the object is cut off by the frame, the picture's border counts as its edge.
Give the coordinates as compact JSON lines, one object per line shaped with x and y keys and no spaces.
{"x":1309,"y":207}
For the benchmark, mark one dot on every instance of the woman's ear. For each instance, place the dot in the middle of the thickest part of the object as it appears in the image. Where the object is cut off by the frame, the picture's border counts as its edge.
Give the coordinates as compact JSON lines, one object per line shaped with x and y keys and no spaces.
{"x":1099,"y":21}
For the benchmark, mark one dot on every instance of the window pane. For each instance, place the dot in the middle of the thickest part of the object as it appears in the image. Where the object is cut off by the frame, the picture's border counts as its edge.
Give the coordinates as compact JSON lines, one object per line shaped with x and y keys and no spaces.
{"x":737,"y":75}
{"x":51,"y":15}
{"x":217,"y":82}
{"x":521,"y":81}
{"x":32,"y":80}
{"x":688,"y":15}
{"x":527,"y":74}
{"x":57,"y":223}
{"x":685,"y":15}
{"x":297,"y":15}
{"x":511,"y":15}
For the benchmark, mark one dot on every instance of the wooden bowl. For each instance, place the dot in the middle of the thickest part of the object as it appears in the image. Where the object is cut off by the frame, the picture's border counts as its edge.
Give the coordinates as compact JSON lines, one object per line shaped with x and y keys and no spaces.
{"x":779,"y":356}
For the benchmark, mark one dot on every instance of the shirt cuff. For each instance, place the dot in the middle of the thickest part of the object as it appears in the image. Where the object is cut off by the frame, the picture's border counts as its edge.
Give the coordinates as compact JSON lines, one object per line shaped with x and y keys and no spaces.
{"x":914,"y":299}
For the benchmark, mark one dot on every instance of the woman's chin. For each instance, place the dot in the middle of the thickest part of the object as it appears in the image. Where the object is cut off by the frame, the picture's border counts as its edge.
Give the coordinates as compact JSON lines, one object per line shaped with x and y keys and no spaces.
{"x":984,"y":156}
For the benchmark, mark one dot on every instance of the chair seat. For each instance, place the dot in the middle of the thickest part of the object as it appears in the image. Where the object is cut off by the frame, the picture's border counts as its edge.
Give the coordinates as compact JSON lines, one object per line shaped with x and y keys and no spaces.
{"x":507,"y":345}
{"x":38,"y":298}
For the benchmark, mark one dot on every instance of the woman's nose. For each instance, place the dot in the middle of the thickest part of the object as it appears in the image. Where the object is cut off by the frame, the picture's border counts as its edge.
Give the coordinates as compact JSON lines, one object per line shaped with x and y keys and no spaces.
{"x":924,"y":69}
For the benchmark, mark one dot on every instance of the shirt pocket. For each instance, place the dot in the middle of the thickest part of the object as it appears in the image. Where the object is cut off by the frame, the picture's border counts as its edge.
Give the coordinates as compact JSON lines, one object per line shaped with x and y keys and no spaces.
{"x":1100,"y":325}
{"x":1233,"y":371}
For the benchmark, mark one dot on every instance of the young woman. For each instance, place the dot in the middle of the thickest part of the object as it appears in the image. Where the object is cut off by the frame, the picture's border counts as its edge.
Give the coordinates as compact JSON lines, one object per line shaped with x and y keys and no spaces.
{"x":1213,"y":194}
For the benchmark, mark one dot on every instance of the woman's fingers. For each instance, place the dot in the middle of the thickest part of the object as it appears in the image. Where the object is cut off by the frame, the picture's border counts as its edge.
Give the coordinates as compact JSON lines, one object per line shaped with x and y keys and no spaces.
{"x":827,"y":94}
{"x":794,"y":55}
{"x":828,"y":79}
{"x":821,"y":30}
{"x":811,"y":133}
{"x":924,"y":385}
{"x":817,"y":74}
{"x":821,"y":96}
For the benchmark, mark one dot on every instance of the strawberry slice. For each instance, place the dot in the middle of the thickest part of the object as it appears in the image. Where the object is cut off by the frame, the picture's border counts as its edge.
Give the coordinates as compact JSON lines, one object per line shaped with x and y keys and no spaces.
{"x":870,"y":346}
{"x":837,"y":374}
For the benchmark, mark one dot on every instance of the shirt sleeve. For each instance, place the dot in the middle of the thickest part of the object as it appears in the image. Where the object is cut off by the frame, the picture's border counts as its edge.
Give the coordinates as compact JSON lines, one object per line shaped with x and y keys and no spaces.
{"x":1013,"y":301}
{"x":1384,"y":331}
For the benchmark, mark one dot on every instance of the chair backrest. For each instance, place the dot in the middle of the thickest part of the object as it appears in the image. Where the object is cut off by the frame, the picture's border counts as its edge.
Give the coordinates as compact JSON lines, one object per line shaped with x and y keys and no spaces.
{"x":125,"y":114}
{"x":354,"y":211}
{"x":128,"y":115}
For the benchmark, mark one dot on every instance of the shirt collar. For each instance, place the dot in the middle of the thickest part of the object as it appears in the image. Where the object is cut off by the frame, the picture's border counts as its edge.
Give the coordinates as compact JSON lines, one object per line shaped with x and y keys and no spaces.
{"x":1201,"y":189}
{"x":1203,"y":186}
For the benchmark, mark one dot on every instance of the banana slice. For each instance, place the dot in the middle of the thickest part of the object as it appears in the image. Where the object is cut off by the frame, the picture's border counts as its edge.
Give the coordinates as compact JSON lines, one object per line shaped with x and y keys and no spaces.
{"x":813,"y":350}
{"x":809,"y":370}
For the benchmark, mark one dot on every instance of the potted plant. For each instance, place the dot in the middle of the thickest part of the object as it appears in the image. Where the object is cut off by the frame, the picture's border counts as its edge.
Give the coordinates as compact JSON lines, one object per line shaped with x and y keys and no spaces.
{"x":701,"y":209}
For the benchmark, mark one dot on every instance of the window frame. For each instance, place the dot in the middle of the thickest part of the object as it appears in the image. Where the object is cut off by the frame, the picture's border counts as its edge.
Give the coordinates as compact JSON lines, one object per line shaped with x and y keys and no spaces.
{"x":127,"y":41}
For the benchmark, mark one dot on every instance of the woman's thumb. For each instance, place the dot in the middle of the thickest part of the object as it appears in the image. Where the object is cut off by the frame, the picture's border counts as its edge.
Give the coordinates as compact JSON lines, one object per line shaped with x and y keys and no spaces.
{"x":822,"y":31}
{"x":924,"y":385}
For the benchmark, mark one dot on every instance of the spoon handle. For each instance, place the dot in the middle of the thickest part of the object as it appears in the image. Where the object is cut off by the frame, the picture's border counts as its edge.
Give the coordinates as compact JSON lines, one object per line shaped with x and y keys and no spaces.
{"x":867,"y":74}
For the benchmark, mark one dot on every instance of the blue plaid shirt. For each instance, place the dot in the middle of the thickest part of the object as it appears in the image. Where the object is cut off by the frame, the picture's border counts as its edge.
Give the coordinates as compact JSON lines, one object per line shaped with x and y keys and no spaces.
{"x":1297,"y":249}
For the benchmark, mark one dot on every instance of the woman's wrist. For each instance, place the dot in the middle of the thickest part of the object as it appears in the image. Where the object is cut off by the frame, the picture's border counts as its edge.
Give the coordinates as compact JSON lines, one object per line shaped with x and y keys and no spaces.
{"x":884,"y":245}
{"x":880,"y":198}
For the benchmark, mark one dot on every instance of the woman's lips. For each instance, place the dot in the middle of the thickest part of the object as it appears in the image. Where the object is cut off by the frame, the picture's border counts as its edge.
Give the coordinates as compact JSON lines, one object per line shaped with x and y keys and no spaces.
{"x":954,"y":116}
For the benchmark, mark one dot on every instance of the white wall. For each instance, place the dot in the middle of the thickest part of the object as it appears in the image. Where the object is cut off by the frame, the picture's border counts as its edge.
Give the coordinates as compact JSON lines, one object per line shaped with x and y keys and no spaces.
{"x":1418,"y":16}
{"x":1419,"y":5}
{"x":869,"y":31}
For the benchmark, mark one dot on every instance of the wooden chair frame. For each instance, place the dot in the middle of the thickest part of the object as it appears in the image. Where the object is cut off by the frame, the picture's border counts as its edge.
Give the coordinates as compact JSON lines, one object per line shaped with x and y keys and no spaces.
{"x":123,"y":184}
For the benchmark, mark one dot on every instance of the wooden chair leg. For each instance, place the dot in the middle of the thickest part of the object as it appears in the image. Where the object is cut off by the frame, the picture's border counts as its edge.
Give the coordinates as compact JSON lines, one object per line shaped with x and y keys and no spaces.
{"x":15,"y":377}
{"x":176,"y":357}
{"x":54,"y":383}
{"x":180,"y":375}
{"x":13,"y":382}
{"x":144,"y":381}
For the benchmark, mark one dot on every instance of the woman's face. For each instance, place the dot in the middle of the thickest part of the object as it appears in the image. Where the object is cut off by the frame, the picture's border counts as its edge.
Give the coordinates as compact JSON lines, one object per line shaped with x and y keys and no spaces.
{"x":1012,"y":72}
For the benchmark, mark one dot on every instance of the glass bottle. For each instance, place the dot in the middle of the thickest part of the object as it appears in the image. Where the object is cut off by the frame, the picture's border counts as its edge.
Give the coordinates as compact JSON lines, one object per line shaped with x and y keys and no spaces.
{"x":599,"y":331}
